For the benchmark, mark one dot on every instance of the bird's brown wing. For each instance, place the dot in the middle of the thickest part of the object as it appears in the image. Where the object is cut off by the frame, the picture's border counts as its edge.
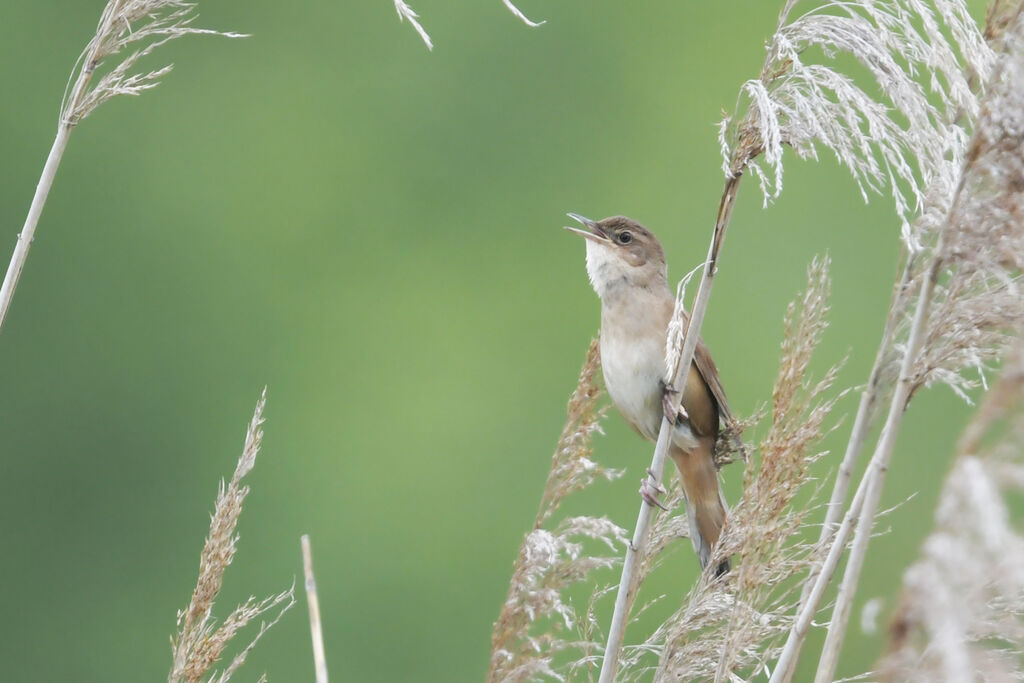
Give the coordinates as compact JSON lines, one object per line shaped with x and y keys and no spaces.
{"x":709,"y":373}
{"x":706,"y":368}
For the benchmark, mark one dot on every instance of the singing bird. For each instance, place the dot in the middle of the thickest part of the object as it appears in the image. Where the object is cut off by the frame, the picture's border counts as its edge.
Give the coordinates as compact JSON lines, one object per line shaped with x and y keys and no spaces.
{"x":627,"y":269}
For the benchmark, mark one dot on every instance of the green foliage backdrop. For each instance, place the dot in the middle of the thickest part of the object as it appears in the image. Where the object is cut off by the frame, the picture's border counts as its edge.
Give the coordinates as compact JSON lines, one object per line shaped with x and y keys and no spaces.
{"x":373,"y":231}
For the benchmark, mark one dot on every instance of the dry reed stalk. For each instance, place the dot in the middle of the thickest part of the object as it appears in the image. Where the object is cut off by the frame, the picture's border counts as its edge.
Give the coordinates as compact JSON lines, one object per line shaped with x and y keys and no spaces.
{"x":143,"y":25}
{"x":870,"y":398}
{"x":200,"y":643}
{"x":315,"y":626}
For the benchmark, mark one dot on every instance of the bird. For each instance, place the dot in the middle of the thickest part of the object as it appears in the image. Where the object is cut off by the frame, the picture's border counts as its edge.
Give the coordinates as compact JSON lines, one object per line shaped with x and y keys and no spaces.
{"x":628,"y":271}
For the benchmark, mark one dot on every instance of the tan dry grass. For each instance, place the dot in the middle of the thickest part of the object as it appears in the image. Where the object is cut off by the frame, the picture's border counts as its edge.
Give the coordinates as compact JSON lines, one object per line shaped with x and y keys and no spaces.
{"x":200,"y":642}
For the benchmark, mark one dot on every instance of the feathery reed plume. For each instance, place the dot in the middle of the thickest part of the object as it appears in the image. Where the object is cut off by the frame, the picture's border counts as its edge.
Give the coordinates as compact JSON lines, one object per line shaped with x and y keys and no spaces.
{"x":199,"y":642}
{"x":961,"y":616}
{"x":142,"y":25}
{"x":572,"y":468}
{"x":530,"y":632}
{"x":800,"y":104}
{"x":406,"y":13}
{"x":980,"y":255}
{"x":727,"y":625}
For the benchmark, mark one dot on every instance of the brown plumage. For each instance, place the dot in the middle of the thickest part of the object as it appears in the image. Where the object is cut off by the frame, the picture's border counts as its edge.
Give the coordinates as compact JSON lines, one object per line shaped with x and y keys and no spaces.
{"x":627,"y":268}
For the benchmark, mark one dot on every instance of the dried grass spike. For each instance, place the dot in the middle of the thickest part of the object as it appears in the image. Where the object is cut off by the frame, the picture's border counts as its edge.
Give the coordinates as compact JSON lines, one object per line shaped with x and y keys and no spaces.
{"x":199,"y":642}
{"x":539,"y":626}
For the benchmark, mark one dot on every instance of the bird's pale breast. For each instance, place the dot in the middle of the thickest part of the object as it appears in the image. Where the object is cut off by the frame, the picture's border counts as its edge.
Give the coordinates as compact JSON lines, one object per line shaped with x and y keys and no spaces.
{"x":633,"y":363}
{"x":632,"y":372}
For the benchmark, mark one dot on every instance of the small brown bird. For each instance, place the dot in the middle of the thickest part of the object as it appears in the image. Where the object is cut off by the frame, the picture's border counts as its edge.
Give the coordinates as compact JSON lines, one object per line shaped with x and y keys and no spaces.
{"x":627,"y":268}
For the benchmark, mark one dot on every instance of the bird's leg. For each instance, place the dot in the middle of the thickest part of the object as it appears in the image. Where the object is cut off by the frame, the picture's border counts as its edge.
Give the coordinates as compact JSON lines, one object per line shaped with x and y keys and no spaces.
{"x":650,"y":489}
{"x":668,"y":393}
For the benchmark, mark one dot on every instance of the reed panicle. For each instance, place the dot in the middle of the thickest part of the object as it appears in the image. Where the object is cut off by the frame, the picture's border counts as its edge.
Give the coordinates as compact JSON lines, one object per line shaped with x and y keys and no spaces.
{"x":539,"y":626}
{"x":902,"y":141}
{"x":140,"y":26}
{"x":200,"y":642}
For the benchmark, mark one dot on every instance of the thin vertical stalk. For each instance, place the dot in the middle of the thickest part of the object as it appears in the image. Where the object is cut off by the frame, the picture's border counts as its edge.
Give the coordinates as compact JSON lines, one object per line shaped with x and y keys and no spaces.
{"x":316,"y":630}
{"x":862,"y":422}
{"x":865,"y":502}
{"x":786,"y":663}
{"x":876,"y":478}
{"x":858,"y":434}
{"x":627,"y":584}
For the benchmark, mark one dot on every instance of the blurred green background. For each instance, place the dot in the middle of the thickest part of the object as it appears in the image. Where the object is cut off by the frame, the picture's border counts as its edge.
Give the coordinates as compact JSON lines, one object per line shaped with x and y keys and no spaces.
{"x":373,"y":231}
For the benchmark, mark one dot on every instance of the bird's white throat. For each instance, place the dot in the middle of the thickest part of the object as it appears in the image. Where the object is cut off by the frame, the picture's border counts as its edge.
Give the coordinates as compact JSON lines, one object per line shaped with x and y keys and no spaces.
{"x":604,"y":268}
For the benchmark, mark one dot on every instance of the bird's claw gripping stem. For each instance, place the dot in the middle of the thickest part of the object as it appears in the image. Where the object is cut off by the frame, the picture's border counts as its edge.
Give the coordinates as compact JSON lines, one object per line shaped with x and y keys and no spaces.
{"x":650,"y":489}
{"x":667,"y":400}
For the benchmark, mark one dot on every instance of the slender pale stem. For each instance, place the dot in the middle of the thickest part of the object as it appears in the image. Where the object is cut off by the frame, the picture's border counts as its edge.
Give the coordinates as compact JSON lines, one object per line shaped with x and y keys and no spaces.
{"x":859,"y":432}
{"x":634,"y":553}
{"x":865,"y":502}
{"x":801,"y":625}
{"x":875,"y":476}
{"x":60,"y":142}
{"x":316,"y":630}
{"x":862,"y":422}
{"x":28,"y":232}
{"x":883,"y":454}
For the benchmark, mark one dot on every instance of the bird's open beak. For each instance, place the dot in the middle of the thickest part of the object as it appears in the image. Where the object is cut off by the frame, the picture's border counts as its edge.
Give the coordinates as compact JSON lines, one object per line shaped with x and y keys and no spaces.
{"x":593,"y":232}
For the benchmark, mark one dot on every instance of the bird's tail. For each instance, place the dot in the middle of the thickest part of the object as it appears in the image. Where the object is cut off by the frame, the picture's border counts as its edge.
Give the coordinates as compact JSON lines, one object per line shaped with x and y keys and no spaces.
{"x":705,"y":503}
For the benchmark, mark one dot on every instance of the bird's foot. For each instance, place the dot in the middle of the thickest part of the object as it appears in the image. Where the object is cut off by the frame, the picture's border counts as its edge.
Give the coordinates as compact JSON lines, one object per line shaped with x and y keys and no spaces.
{"x":650,"y":489}
{"x":672,"y":414}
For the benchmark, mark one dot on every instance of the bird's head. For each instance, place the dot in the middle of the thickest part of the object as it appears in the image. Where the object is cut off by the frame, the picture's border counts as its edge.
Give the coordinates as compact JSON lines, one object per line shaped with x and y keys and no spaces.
{"x":620,"y":252}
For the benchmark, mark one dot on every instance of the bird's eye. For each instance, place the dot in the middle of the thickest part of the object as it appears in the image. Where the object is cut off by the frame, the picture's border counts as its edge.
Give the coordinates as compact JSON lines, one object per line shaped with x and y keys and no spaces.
{"x":625,"y":237}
